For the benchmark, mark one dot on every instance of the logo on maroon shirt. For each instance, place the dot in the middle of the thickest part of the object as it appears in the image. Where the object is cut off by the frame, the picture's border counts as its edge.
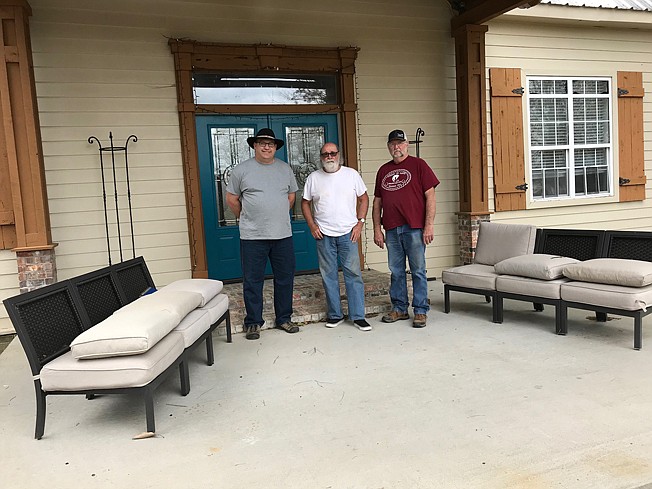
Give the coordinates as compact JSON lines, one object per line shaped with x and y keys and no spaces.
{"x":396,"y":179}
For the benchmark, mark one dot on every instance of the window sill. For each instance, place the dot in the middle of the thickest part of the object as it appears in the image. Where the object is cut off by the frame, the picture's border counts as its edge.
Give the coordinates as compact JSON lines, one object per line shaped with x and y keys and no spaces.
{"x":572,"y":202}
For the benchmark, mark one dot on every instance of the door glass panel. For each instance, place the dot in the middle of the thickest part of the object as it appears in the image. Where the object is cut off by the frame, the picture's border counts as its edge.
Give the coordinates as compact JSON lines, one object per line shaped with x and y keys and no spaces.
{"x":303,"y":145}
{"x":229,"y":149}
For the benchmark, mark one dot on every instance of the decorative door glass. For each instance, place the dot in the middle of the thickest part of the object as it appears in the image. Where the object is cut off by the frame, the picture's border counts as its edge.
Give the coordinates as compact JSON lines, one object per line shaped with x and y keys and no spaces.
{"x":229,"y":149}
{"x":303,"y":145}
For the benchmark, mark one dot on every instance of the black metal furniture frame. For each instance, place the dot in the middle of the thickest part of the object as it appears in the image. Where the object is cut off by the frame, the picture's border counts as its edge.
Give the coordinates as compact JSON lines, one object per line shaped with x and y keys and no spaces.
{"x":48,"y":319}
{"x":489,"y":295}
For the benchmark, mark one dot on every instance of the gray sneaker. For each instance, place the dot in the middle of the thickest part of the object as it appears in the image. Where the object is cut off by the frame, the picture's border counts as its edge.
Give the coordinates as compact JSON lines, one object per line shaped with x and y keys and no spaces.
{"x":288,"y":327}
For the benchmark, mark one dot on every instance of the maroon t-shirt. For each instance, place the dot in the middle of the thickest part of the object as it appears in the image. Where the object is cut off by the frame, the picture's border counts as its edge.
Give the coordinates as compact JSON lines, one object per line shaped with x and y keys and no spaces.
{"x":402,"y":186}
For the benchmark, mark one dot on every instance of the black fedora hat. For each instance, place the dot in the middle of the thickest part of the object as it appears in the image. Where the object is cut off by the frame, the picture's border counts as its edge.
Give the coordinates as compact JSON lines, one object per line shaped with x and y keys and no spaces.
{"x":265,"y":133}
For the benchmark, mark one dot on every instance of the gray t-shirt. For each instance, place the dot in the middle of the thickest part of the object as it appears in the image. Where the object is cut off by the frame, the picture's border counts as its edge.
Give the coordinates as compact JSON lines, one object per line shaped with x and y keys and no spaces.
{"x":263,"y":191}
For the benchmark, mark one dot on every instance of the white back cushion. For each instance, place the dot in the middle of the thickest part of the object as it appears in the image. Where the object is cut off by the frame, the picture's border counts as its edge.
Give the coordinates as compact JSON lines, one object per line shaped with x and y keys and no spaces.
{"x":208,"y":288}
{"x":124,"y":334}
{"x":614,"y":271}
{"x":498,"y":241}
{"x":136,"y":327}
{"x":541,"y":266}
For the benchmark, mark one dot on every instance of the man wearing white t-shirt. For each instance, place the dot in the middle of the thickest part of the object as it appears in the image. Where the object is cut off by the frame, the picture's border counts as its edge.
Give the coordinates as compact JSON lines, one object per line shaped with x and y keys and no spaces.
{"x":335,"y":204}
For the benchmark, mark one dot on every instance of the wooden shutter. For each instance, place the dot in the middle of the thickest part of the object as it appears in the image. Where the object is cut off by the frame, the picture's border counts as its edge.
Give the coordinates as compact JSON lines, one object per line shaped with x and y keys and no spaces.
{"x":631,"y":166}
{"x":507,"y":138}
{"x":24,"y":215}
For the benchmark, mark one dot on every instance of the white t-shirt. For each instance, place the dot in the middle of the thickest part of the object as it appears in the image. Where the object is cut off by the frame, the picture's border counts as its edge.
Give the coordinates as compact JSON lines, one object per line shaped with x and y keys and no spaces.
{"x":334,"y":198}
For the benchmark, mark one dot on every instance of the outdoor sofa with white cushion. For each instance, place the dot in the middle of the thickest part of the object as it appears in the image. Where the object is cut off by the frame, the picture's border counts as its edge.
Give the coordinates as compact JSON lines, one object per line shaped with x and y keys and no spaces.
{"x":103,"y":333}
{"x":609,"y":272}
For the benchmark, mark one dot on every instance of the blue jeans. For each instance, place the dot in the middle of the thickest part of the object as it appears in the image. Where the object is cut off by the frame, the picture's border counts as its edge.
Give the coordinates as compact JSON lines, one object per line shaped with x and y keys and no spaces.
{"x":403,"y":242}
{"x":254,"y":254}
{"x":329,"y":249}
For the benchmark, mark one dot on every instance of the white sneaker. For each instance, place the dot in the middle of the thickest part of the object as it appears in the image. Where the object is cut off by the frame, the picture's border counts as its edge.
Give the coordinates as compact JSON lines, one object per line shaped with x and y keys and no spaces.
{"x":334,"y":322}
{"x":362,"y":325}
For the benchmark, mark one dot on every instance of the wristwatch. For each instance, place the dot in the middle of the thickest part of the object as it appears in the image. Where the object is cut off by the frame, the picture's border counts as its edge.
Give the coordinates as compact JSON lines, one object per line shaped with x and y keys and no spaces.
{"x":361,"y":219}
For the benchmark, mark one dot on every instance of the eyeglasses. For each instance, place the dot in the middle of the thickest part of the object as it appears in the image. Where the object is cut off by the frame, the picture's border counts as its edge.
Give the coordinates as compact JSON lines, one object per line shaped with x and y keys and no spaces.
{"x":332,"y":154}
{"x":266,"y":144}
{"x":394,"y":144}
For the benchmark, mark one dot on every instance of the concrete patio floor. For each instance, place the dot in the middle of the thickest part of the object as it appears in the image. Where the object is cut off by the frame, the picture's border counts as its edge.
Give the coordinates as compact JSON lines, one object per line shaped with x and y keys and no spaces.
{"x":463,"y":403}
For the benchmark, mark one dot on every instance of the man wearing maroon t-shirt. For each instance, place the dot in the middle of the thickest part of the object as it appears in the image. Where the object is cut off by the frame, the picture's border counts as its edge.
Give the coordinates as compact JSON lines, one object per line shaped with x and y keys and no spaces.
{"x":404,"y":203}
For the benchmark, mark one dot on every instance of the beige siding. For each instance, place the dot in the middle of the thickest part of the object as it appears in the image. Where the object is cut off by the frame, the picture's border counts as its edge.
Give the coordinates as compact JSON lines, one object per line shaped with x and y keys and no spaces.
{"x":547,"y":49}
{"x":8,"y":287}
{"x":105,"y":66}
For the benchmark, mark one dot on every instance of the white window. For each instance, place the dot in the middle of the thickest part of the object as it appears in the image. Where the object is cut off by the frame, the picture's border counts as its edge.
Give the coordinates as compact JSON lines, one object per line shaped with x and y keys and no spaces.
{"x":570,"y":137}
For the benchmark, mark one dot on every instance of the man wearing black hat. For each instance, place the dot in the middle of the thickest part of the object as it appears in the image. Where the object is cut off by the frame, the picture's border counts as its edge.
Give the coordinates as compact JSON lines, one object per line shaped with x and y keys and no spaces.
{"x":261,"y":192}
{"x":404,"y":203}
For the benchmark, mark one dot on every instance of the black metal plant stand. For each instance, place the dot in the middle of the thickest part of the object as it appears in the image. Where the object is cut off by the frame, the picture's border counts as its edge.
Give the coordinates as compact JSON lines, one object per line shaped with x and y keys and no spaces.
{"x":417,"y":140}
{"x":113,"y":150}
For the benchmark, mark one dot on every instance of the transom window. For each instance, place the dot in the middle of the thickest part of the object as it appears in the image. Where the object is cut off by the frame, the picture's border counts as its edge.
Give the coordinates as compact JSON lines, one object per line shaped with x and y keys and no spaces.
{"x":570,"y":137}
{"x":279,"y":89}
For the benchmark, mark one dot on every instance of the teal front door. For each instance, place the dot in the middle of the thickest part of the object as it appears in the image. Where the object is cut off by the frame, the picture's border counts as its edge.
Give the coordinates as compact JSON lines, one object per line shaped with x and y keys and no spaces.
{"x":222,"y":144}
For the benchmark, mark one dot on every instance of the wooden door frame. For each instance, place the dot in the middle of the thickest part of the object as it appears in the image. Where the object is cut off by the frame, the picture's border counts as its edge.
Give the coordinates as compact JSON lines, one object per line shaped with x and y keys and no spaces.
{"x":193,"y":56}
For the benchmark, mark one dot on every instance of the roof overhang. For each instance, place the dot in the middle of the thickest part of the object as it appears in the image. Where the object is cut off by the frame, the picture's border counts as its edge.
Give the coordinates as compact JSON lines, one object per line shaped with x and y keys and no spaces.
{"x":481,"y":11}
{"x":586,"y":16}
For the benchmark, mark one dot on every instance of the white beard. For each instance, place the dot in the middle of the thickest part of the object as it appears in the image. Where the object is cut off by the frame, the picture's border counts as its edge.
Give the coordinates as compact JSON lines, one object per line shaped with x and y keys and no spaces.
{"x":330,"y":166}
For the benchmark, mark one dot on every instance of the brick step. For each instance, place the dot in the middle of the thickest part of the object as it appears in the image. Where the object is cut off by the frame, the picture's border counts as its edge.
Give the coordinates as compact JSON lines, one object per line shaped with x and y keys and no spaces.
{"x":309,"y":302}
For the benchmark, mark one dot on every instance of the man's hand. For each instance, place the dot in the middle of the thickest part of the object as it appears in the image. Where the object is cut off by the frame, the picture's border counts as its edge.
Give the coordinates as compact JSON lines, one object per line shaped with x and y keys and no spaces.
{"x":316,"y":232}
{"x":356,"y":232}
{"x":379,"y":238}
{"x":428,"y":234}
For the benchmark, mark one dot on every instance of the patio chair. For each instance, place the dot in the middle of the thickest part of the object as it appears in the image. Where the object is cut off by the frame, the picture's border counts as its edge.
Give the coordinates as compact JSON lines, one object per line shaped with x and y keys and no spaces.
{"x":496,"y":242}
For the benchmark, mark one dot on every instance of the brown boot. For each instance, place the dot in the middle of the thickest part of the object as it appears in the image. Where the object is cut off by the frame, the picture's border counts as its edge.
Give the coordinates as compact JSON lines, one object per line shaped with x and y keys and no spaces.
{"x":393,"y":316}
{"x":419,"y":321}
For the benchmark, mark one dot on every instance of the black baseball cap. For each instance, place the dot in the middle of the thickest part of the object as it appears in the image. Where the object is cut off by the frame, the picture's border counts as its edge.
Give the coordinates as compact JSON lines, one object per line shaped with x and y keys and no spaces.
{"x":396,"y":134}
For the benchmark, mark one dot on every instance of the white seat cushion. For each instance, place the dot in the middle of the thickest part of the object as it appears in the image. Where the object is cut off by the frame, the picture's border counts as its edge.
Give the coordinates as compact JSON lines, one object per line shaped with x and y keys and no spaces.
{"x":217,"y":306}
{"x":614,"y":271}
{"x":512,"y":284}
{"x":473,"y":276}
{"x":540,"y":266}
{"x":614,"y":296}
{"x":206,"y":287}
{"x":65,"y":373}
{"x":193,"y":326}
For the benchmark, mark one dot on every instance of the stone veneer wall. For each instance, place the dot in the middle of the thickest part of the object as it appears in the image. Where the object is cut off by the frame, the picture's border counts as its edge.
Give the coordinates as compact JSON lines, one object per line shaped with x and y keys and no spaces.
{"x":36,"y":269}
{"x":469,"y":225}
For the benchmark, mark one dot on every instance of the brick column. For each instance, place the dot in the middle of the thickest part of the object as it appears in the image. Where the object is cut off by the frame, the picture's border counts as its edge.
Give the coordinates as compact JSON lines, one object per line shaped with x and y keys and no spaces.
{"x":468,"y":226}
{"x":36,"y":269}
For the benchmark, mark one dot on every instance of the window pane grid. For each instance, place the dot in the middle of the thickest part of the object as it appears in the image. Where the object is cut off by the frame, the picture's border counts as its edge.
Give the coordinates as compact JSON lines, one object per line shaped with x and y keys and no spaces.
{"x":567,"y":142}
